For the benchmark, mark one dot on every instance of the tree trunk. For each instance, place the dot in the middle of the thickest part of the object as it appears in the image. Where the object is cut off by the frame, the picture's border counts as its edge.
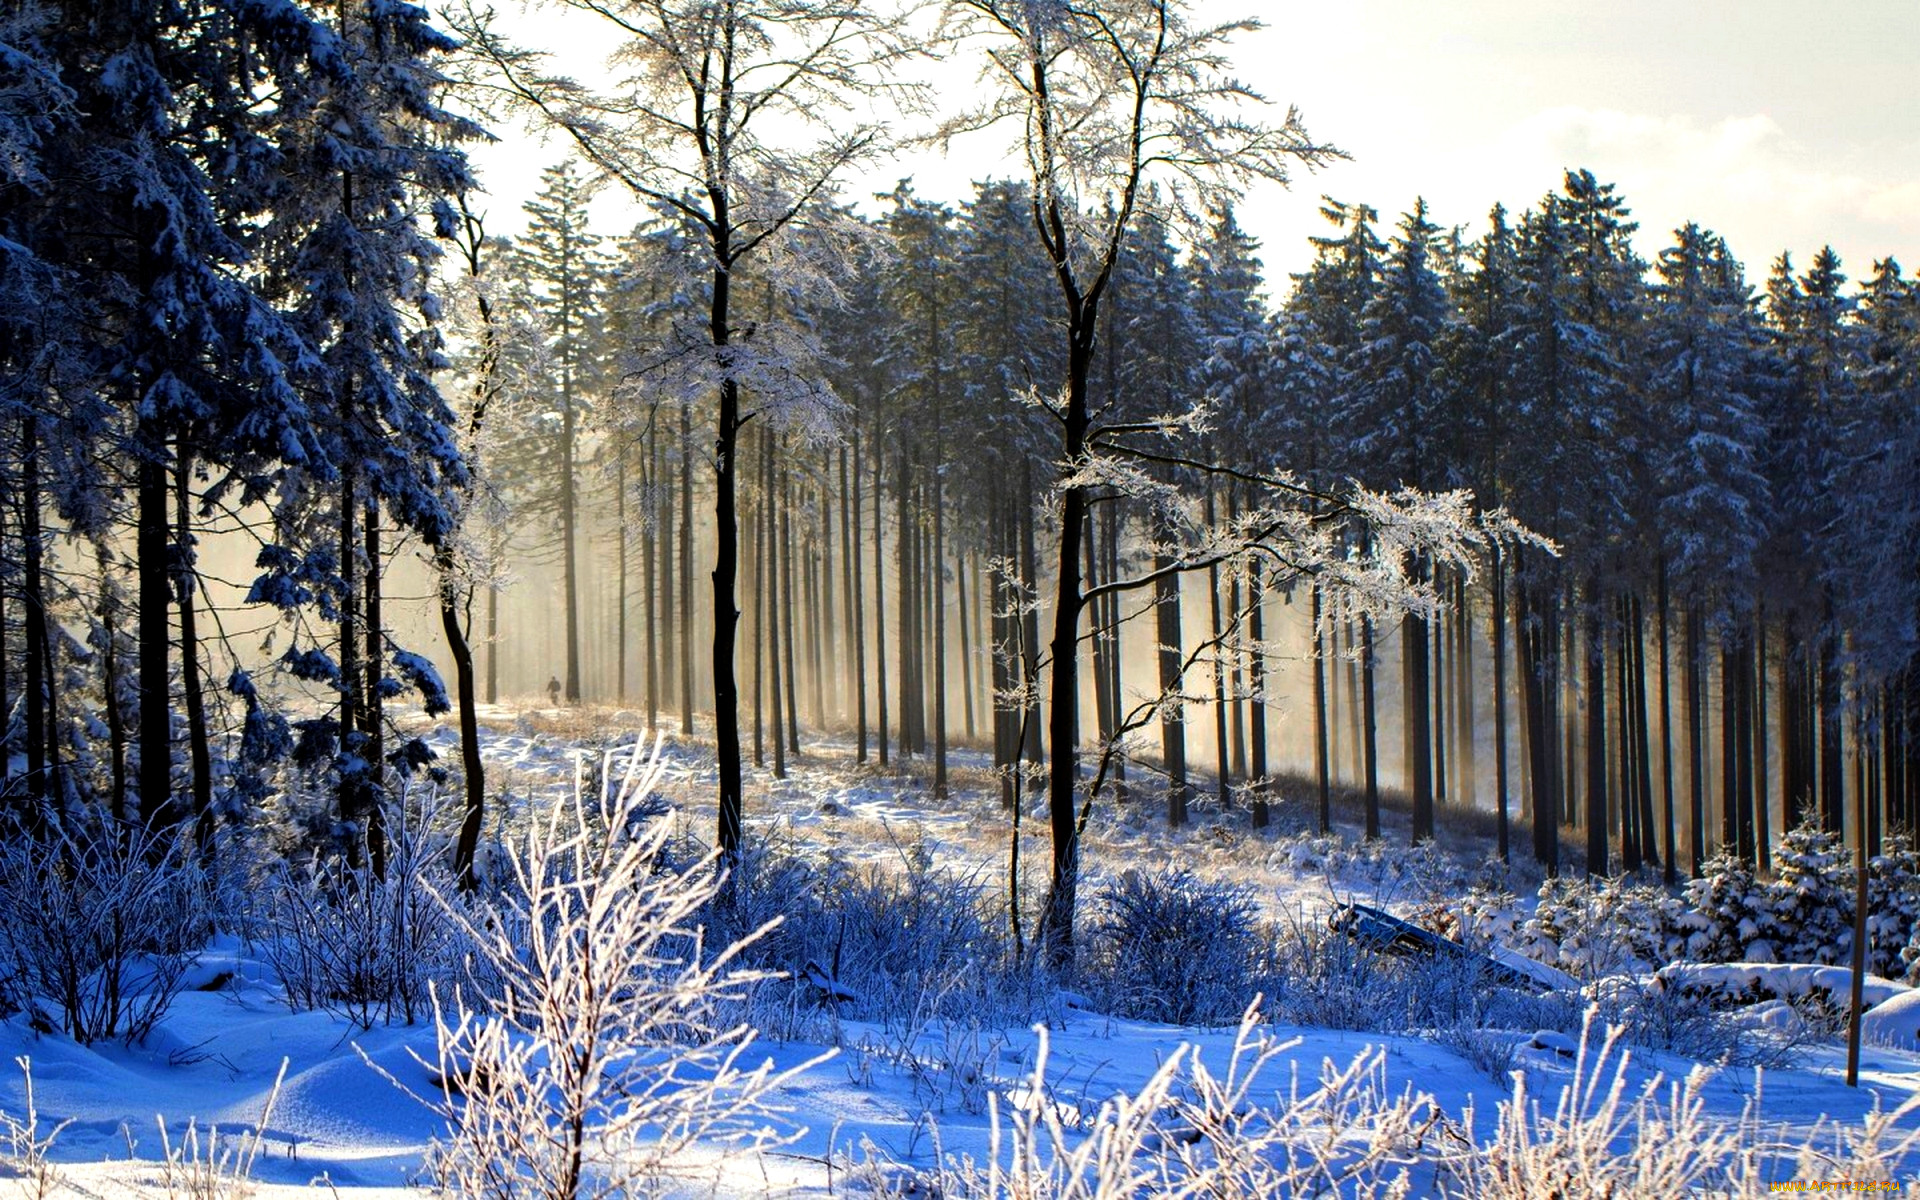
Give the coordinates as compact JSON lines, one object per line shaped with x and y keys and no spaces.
{"x":157,"y":808}
{"x":35,"y":630}
{"x":1216,"y":629}
{"x":1672,"y":849}
{"x":1322,"y":762}
{"x":1257,"y":688}
{"x":373,"y":724}
{"x":725,"y":610}
{"x":879,"y":600}
{"x":1418,"y":690}
{"x":857,"y":610}
{"x":1497,"y":611}
{"x":784,"y":484}
{"x":570,"y":573}
{"x":1173,"y":725}
{"x":770,"y":603}
{"x":1696,"y":733}
{"x":1369,"y":728}
{"x":199,"y":756}
{"x":1596,"y":696}
{"x":726,"y":537}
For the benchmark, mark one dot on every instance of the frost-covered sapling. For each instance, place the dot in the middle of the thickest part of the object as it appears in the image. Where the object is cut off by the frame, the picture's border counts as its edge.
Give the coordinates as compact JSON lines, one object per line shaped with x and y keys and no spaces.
{"x":596,"y":1059}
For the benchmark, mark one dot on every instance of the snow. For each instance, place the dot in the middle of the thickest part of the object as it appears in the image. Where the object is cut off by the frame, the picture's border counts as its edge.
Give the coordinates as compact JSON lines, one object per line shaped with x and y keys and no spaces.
{"x":900,"y":1092}
{"x":1894,"y":1021}
{"x":1783,"y":981}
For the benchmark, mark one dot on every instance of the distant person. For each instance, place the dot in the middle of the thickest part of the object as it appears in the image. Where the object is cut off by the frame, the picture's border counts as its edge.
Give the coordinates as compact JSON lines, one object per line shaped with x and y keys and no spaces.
{"x":553,"y":691}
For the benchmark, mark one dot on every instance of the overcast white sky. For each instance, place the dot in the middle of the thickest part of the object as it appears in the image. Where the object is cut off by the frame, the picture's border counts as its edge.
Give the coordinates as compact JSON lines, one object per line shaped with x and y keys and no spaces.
{"x":1783,"y":124}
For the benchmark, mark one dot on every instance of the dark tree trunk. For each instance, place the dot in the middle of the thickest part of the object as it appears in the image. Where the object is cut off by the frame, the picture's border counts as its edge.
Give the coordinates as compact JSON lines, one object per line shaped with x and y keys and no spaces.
{"x":1672,"y":848}
{"x":1369,"y":729}
{"x":856,"y":610}
{"x":1596,"y":695}
{"x":569,"y":571}
{"x":770,"y":606}
{"x":1696,"y":734}
{"x":725,"y":608}
{"x":199,"y":756}
{"x":353,"y":792}
{"x":784,"y":485}
{"x":1257,"y":689}
{"x":474,"y":812}
{"x":938,"y":593}
{"x":157,"y":808}
{"x":1216,"y":630}
{"x":1323,"y":769}
{"x":36,"y":651}
{"x":879,"y":601}
{"x":1497,"y":611}
{"x":726,"y":537}
{"x":1173,"y":724}
{"x":620,"y":574}
{"x":373,"y":710}
{"x":1761,"y":787}
{"x":1418,"y":690}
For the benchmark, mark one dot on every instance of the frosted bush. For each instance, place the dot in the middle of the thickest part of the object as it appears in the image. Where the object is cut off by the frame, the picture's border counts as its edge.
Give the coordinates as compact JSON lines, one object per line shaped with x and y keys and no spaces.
{"x":360,"y":945}
{"x":598,"y":1059}
{"x":1171,"y":946}
{"x":1893,"y":905}
{"x":101,"y":927}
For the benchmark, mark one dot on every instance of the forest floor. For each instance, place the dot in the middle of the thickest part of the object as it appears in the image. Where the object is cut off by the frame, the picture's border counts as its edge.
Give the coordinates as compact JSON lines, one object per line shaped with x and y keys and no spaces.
{"x":900,"y":1092}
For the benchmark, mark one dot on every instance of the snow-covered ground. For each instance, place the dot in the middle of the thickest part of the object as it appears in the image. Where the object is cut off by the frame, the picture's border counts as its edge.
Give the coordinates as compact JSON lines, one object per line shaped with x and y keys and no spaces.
{"x":899,"y":1093}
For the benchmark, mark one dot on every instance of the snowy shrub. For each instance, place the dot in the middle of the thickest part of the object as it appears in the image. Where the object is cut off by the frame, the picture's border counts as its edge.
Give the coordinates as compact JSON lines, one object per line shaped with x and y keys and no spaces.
{"x":360,"y":945}
{"x":598,"y":1061}
{"x":1893,"y":905}
{"x":1727,"y":914}
{"x":1171,"y":946}
{"x":1595,"y":928}
{"x":1191,"y":1132}
{"x":101,"y":928}
{"x":1809,"y":902}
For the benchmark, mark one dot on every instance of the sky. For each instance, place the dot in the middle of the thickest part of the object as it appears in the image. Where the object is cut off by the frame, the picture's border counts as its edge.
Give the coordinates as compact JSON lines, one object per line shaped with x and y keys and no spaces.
{"x":1781,"y":124}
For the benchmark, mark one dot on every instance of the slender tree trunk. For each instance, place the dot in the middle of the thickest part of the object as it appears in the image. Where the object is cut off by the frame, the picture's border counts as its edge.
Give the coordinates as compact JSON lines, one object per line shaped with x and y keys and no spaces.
{"x":620,"y":574}
{"x":35,"y":634}
{"x":1671,"y":847}
{"x":569,"y":538}
{"x":1596,"y":696}
{"x":966,"y":640}
{"x":770,"y":607}
{"x":1497,"y":611}
{"x":1257,"y":686}
{"x":879,"y":600}
{"x":157,"y":807}
{"x":199,"y":756}
{"x":353,"y":770}
{"x":939,"y":598}
{"x":473,"y":770}
{"x":110,"y":682}
{"x":1418,"y":691}
{"x":373,"y":709}
{"x":1173,"y":726}
{"x":1031,"y":739}
{"x":906,"y":541}
{"x":726,"y":612}
{"x":1696,"y":734}
{"x":1369,"y":728}
{"x":650,"y":565}
{"x":754,"y":518}
{"x":1438,"y":635}
{"x":856,"y":610}
{"x":1216,"y":629}
{"x":1321,"y":759}
{"x":784,"y":482}
{"x":1757,"y":733}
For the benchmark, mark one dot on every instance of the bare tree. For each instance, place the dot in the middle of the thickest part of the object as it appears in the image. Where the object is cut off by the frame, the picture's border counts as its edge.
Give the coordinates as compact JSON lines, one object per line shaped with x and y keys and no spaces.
{"x":1125,"y":110}
{"x":734,"y":118}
